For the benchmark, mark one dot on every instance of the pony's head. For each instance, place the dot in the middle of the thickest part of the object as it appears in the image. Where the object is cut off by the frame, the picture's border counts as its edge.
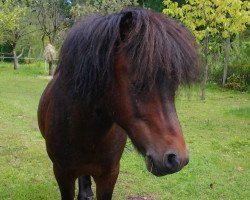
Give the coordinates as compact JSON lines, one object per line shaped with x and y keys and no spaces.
{"x":134,"y":61}
{"x":155,"y":54}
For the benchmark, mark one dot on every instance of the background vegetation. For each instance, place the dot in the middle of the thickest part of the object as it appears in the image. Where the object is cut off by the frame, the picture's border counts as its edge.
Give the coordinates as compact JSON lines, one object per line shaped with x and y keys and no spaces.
{"x":220,"y":26}
{"x":214,"y":22}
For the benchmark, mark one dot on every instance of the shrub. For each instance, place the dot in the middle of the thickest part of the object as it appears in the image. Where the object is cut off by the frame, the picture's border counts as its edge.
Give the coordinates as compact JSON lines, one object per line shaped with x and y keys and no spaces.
{"x":238,"y":77}
{"x":237,"y":82}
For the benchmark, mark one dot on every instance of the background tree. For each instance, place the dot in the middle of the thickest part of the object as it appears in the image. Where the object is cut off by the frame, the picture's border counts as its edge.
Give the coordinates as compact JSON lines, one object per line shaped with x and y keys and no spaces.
{"x":15,"y":24}
{"x":232,"y":17}
{"x":7,"y":17}
{"x":156,"y":5}
{"x":199,"y":17}
{"x":82,"y":9}
{"x":209,"y":20}
{"x":51,"y":18}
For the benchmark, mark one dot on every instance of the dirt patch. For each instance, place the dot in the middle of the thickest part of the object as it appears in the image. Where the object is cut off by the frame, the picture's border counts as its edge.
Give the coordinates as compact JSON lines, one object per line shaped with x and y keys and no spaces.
{"x":140,"y":198}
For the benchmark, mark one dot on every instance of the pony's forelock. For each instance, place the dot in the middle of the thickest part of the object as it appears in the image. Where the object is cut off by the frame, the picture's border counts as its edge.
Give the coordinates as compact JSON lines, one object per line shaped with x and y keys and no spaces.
{"x":156,"y":47}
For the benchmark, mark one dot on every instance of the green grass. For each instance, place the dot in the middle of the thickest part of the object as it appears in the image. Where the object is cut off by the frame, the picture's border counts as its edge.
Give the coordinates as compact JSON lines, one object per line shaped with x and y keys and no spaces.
{"x":217,"y":132}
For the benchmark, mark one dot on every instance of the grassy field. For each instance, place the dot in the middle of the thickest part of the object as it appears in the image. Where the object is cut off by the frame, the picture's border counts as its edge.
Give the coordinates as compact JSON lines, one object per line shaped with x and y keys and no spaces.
{"x":217,"y":132}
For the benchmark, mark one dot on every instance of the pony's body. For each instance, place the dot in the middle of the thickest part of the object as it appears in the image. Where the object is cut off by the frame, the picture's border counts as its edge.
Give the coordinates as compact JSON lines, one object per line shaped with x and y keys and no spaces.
{"x":93,"y":146}
{"x":111,"y":82}
{"x":91,"y":127}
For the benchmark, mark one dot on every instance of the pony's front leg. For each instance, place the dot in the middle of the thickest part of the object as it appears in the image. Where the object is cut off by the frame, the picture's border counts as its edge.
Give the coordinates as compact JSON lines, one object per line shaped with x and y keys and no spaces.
{"x":85,"y":192}
{"x":66,"y":182}
{"x":105,"y":184}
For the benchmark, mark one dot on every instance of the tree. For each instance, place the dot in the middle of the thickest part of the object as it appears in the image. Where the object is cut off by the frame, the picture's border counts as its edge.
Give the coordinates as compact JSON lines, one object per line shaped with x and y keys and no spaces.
{"x":197,"y":15}
{"x":51,"y":19}
{"x":7,"y":18}
{"x":88,"y":7}
{"x":210,"y":19}
{"x":232,"y":18}
{"x":156,"y":5}
{"x":15,"y":24}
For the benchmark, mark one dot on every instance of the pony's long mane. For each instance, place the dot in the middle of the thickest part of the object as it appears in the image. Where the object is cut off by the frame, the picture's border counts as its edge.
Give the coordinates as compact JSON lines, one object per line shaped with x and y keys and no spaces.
{"x":156,"y":47}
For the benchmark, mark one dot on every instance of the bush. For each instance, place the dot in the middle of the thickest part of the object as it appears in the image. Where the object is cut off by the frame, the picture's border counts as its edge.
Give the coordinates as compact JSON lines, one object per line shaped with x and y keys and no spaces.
{"x":237,"y":82}
{"x":238,"y":76}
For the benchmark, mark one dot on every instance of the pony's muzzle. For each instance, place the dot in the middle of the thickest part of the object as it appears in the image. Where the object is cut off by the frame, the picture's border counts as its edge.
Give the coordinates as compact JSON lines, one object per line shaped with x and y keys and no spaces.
{"x":170,"y":164}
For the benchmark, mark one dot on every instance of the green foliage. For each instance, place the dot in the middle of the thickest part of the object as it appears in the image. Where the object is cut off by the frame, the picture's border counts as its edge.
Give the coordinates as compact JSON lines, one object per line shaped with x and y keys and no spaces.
{"x":5,"y":50}
{"x":12,"y":13}
{"x":221,"y":18}
{"x":238,"y":76}
{"x":237,"y":82}
{"x":99,"y":6}
{"x":212,"y":21}
{"x":239,"y":66}
{"x":197,"y":15}
{"x":51,"y":19}
{"x":232,"y":17}
{"x":156,"y":5}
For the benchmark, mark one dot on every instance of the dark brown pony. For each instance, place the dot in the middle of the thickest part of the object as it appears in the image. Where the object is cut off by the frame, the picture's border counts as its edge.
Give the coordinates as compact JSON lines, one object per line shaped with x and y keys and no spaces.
{"x":117,"y":76}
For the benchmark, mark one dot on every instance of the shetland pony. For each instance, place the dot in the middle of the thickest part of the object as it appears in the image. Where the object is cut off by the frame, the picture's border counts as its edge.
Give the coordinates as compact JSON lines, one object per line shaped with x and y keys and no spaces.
{"x":117,"y":76}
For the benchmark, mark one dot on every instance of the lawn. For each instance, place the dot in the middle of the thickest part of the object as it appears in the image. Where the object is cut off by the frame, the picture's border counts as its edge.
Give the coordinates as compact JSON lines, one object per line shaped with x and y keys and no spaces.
{"x":217,"y":132}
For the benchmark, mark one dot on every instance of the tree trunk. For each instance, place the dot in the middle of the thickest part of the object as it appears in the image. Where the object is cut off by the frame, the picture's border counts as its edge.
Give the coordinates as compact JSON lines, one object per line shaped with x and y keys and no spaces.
{"x":51,"y":40}
{"x":15,"y":58}
{"x":226,"y":62}
{"x":43,"y":43}
{"x":205,"y":76}
{"x":51,"y":68}
{"x":29,"y":53}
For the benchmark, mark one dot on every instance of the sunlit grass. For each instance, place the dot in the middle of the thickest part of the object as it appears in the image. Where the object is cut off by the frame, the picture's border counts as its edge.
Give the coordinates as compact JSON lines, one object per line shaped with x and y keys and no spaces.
{"x":217,"y":132}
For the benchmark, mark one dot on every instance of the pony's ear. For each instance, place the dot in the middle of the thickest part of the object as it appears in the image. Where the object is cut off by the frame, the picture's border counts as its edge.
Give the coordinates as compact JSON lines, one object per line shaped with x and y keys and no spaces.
{"x":125,"y":25}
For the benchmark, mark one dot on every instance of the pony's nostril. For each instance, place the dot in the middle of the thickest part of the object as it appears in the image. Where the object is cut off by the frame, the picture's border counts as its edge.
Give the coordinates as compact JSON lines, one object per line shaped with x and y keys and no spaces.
{"x":172,"y":161}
